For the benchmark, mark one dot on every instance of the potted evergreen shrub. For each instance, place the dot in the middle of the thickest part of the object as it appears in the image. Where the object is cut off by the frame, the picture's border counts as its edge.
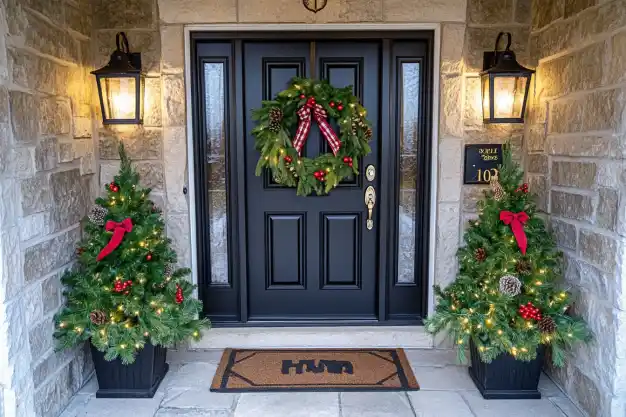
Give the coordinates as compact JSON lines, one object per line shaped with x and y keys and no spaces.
{"x":124,"y":296}
{"x":505,"y":305}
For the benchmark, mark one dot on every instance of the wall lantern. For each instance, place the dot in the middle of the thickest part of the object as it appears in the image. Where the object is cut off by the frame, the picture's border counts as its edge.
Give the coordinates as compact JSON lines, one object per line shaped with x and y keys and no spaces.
{"x":121,"y":86}
{"x":505,"y":84}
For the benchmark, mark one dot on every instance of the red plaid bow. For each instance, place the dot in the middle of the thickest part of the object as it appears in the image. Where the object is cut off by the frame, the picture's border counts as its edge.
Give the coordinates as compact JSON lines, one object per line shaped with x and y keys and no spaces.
{"x":119,"y":230}
{"x":304,"y":127}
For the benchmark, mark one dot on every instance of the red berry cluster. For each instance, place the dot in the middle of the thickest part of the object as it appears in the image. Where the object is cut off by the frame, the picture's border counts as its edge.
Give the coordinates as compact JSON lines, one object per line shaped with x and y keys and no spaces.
{"x":347,"y":160}
{"x":522,"y":188}
{"x":529,"y":312}
{"x":123,"y":286}
{"x":149,"y":257}
{"x":114,"y":187}
{"x":320,"y":175}
{"x":179,"y":294}
{"x":288,"y":159}
{"x":339,"y":105}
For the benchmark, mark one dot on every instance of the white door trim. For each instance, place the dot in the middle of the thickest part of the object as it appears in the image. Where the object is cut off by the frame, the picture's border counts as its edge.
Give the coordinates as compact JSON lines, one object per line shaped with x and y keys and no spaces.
{"x":435,"y":27}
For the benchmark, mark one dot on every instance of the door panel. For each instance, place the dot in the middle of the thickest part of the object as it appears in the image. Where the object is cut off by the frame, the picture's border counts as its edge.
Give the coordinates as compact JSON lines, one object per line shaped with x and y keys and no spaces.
{"x":319,"y":260}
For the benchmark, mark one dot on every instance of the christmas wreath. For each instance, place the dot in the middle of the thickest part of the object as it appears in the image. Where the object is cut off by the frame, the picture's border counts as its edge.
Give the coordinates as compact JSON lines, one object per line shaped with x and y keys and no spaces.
{"x":285,"y":122}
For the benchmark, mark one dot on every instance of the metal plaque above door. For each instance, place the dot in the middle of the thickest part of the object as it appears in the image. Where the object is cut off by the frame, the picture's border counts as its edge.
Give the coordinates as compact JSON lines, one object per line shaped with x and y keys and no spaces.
{"x":355,"y":256}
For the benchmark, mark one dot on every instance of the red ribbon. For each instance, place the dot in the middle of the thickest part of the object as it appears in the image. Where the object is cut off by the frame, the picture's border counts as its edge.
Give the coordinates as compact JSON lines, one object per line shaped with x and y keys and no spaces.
{"x":517,"y":220}
{"x":119,"y":230}
{"x":304,"y":127}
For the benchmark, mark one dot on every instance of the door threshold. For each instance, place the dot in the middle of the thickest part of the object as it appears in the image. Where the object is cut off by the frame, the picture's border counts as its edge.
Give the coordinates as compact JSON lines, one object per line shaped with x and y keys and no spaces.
{"x":408,"y":337}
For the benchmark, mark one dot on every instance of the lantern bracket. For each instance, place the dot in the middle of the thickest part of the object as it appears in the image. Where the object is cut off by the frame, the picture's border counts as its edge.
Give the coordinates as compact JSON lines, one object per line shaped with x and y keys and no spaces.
{"x":491,"y":58}
{"x":134,"y":58}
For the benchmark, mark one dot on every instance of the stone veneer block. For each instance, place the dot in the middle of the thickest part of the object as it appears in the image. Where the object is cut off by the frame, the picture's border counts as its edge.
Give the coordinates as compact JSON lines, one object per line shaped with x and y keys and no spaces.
{"x":136,"y":14}
{"x":608,"y":204}
{"x":11,"y":277}
{"x":538,"y":163}
{"x":599,"y":110}
{"x":35,"y":194}
{"x":565,"y":234}
{"x":40,"y":338}
{"x":24,"y":116}
{"x":71,"y":198}
{"x":523,"y":11}
{"x":450,"y":166}
{"x":600,"y":250}
{"x":489,"y":11}
{"x":448,"y":237}
{"x":55,"y":116}
{"x":140,"y":142}
{"x":424,"y":10}
{"x":46,"y":154}
{"x":558,"y":36}
{"x":273,"y":11}
{"x":610,"y":16}
{"x":9,"y":202}
{"x":172,"y":49}
{"x":151,"y":174}
{"x":452,"y":37}
{"x":451,"y":118}
{"x":38,"y":73}
{"x":574,"y":174}
{"x":46,"y":256}
{"x":594,"y":146}
{"x":545,"y":12}
{"x":197,"y":11}
{"x":572,"y":206}
{"x":538,"y":185}
{"x":80,"y":20}
{"x":350,"y":11}
{"x":173,"y":100}
{"x":175,"y":160}
{"x":472,"y":194}
{"x":152,"y":116}
{"x":616,"y":71}
{"x":178,"y":231}
{"x":4,"y":107}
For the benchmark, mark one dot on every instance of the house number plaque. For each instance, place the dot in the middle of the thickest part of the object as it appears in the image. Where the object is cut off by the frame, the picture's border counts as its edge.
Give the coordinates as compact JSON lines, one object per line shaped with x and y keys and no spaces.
{"x":481,"y":163}
{"x":314,"y":5}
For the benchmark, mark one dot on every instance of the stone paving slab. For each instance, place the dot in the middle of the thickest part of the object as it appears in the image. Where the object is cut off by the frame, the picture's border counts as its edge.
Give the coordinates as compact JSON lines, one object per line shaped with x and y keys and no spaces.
{"x":447,"y":391}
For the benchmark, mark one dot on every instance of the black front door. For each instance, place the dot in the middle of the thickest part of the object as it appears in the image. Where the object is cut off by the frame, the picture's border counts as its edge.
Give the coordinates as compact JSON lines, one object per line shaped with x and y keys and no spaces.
{"x":310,"y":258}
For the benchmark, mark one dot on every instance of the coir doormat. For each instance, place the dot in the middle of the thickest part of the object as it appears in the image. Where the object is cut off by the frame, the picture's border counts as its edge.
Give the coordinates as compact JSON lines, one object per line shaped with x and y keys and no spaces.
{"x":246,"y":370}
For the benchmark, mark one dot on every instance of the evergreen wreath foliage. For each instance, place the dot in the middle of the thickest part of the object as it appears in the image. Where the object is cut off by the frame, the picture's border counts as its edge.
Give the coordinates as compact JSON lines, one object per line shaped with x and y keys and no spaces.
{"x":277,"y":123}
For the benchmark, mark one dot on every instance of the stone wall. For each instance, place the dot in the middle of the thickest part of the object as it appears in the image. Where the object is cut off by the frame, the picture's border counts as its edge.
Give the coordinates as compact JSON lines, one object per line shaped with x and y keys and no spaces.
{"x":46,"y":164}
{"x":576,"y":148}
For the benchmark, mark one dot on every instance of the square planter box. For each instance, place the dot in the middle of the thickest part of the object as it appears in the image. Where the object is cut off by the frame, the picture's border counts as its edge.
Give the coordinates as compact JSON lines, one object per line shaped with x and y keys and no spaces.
{"x":505,"y":377}
{"x":141,"y":379}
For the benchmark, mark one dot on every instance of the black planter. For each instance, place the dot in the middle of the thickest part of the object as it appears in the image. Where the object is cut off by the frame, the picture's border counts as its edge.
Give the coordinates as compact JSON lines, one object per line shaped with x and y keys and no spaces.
{"x":505,"y":377}
{"x":138,"y":380}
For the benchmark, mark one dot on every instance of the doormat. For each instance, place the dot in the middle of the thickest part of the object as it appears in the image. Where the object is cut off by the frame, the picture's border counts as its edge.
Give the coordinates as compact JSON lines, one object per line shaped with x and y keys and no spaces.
{"x":249,"y":370}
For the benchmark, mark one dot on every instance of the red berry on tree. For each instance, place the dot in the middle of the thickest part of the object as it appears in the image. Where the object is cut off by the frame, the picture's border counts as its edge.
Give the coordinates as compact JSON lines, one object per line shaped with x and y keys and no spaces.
{"x":340,"y":107}
{"x":346,"y":159}
{"x":288,"y":159}
{"x":149,"y":257}
{"x":331,"y":104}
{"x":350,"y":164}
{"x":302,"y":96}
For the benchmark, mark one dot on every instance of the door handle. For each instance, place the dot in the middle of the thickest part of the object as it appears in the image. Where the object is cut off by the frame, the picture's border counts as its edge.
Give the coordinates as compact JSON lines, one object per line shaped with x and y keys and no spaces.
{"x":370,"y":202}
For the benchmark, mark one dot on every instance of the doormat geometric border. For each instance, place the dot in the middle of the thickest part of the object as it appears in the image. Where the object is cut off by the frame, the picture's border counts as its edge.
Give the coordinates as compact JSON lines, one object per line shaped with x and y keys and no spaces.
{"x":279,"y":370}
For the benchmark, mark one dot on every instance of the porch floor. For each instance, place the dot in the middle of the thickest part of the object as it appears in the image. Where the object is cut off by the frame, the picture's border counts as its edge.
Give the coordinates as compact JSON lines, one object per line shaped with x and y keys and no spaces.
{"x":446,"y":391}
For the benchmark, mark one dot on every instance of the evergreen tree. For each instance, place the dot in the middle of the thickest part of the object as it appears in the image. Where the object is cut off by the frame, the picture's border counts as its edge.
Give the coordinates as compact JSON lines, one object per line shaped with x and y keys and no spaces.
{"x":503,"y":300}
{"x":132,"y":295}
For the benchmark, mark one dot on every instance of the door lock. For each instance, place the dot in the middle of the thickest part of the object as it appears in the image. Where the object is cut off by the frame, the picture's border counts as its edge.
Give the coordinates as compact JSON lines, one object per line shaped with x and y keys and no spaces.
{"x":370,"y":202}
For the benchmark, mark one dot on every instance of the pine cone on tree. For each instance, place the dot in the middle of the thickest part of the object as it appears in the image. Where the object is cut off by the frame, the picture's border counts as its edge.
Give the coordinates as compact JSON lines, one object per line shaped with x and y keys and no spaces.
{"x":168,"y":270}
{"x":510,"y":285}
{"x":97,"y":214}
{"x":496,"y":187}
{"x":523,"y":267}
{"x":547,"y":325}
{"x":480,"y":254}
{"x":275,"y":117}
{"x":98,"y":317}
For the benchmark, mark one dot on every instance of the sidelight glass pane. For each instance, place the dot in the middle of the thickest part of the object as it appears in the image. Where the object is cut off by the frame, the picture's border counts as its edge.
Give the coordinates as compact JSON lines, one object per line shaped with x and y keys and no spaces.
{"x":409,"y":137}
{"x":216,"y":174}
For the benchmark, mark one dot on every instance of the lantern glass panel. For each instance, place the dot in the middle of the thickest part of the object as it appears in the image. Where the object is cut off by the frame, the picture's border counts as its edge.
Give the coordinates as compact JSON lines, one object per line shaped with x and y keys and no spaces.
{"x":119,"y":96}
{"x":485,"y":96}
{"x":508,"y":96}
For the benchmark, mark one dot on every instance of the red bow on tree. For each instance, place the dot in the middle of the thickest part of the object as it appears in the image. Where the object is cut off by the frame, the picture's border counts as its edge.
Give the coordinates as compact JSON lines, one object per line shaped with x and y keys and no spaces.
{"x":516,"y":221}
{"x":304,"y":127}
{"x":119,"y":230}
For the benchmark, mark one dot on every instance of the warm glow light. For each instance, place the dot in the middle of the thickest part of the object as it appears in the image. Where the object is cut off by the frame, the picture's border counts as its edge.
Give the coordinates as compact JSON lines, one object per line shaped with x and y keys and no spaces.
{"x":123,"y":346}
{"x":503,"y":106}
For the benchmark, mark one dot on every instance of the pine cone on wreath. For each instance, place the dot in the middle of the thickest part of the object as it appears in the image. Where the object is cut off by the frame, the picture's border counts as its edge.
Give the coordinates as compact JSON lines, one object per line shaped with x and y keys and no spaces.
{"x":368,"y":133}
{"x":547,"y":325}
{"x":168,"y":270}
{"x":510,"y":285}
{"x":480,"y":254}
{"x":98,"y":317}
{"x":523,"y":267}
{"x":275,"y":117}
{"x":498,"y":191}
{"x":97,"y":214}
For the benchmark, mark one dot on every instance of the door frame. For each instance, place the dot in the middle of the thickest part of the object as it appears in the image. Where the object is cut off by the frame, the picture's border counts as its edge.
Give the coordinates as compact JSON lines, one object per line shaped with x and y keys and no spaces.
{"x":236,"y":212}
